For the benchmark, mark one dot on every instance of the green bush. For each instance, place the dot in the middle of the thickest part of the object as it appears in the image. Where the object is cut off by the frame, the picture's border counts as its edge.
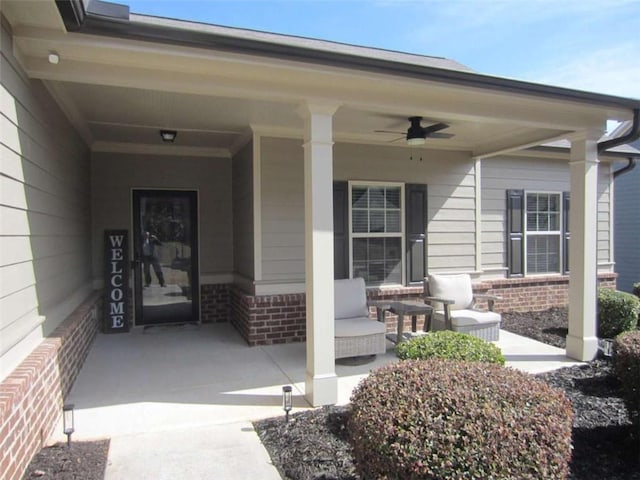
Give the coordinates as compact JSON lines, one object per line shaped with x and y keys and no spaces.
{"x":617,"y":312}
{"x":626,"y":363}
{"x":447,"y":419}
{"x":451,"y":345}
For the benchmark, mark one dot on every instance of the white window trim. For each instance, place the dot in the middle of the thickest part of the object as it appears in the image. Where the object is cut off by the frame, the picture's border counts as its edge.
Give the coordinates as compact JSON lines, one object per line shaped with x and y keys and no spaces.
{"x":402,"y":235}
{"x":547,"y":232}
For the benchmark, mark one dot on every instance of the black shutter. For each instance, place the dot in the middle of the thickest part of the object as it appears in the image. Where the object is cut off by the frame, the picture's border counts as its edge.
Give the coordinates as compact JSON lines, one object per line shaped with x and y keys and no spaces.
{"x":416,"y":224}
{"x":340,"y":230}
{"x":566,"y":234}
{"x":515,"y":233}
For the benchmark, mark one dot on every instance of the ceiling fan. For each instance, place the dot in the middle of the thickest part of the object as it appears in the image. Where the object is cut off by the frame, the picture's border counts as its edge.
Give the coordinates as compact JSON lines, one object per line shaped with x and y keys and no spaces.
{"x":417,"y":134}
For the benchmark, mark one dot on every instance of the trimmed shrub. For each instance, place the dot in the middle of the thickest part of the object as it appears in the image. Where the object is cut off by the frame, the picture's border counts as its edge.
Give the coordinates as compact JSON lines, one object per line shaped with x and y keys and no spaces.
{"x":617,"y":312}
{"x":446,"y":419}
{"x":451,"y":345}
{"x":626,"y":363}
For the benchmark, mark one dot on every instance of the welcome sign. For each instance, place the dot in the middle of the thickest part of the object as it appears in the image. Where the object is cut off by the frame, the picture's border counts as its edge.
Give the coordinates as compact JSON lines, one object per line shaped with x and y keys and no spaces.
{"x":116,"y":273}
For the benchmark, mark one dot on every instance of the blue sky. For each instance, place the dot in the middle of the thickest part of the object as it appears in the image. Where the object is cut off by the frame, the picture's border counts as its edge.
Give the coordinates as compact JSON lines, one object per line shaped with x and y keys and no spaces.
{"x":589,"y":45}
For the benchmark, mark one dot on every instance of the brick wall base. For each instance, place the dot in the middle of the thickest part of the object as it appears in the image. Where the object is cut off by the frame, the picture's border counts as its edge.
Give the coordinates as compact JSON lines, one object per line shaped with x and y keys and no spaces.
{"x":271,"y":319}
{"x":31,"y":396}
{"x":215,"y":303}
{"x":535,"y":293}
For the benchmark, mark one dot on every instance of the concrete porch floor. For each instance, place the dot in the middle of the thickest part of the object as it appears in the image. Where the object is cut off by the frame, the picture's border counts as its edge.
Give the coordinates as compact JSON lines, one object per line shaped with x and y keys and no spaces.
{"x":178,"y":401}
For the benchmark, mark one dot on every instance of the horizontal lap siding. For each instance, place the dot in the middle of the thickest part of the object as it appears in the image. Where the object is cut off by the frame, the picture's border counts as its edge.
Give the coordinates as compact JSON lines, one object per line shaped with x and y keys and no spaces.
{"x":449,"y":177}
{"x":604,"y":213}
{"x":503,"y":173}
{"x":242,"y":180}
{"x":627,"y":228}
{"x":45,"y":212}
{"x":450,"y":181}
{"x":282,"y":183}
{"x":115,"y":175}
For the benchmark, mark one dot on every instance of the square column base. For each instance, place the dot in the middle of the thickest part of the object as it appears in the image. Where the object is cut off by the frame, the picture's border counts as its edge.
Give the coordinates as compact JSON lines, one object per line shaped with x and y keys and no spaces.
{"x":582,"y":349}
{"x":321,"y":389}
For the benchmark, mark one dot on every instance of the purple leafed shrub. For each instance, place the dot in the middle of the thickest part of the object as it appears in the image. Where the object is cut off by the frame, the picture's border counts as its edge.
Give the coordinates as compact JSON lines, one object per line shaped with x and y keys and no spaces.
{"x":626,"y":361}
{"x":445,"y":419}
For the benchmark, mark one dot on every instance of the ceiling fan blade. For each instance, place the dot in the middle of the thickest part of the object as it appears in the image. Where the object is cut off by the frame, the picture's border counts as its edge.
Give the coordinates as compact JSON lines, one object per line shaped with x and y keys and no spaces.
{"x":435,"y":128}
{"x":440,"y":135}
{"x":388,"y":131}
{"x":396,"y":139}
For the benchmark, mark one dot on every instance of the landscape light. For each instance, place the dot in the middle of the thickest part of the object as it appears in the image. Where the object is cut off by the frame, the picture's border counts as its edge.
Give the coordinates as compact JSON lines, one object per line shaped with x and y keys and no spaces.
{"x":67,"y":422}
{"x":286,"y":400}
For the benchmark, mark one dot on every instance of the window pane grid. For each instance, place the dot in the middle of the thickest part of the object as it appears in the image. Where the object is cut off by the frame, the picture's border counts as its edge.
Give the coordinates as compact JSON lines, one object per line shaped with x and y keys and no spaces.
{"x":376,"y":233}
{"x":543,"y":254}
{"x":543,"y":232}
{"x":543,"y":212}
{"x":377,"y":260}
{"x":376,"y":210}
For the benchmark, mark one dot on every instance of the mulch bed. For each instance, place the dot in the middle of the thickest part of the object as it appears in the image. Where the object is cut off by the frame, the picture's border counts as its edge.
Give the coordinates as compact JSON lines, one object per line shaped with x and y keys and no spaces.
{"x":314,"y":444}
{"x":83,"y":461}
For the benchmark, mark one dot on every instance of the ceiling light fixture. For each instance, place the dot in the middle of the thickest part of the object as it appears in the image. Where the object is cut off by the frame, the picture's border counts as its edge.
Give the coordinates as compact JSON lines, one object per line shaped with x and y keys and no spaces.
{"x":168,"y":136}
{"x":54,"y":58}
{"x":415,"y":141}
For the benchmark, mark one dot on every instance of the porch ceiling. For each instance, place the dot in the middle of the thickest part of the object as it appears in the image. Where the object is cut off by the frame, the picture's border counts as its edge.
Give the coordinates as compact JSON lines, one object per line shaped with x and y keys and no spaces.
{"x":121,"y":118}
{"x":120,"y":92}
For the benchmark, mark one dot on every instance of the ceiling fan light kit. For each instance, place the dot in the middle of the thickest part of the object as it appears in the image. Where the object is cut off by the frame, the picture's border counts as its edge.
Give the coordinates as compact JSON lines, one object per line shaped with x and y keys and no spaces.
{"x":415,"y":141}
{"x":417,"y":134}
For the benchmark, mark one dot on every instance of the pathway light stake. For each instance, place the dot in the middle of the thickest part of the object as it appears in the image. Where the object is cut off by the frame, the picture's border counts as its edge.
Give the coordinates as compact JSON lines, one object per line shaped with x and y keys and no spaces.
{"x":607,"y":347}
{"x":67,"y":422}
{"x":286,"y":400}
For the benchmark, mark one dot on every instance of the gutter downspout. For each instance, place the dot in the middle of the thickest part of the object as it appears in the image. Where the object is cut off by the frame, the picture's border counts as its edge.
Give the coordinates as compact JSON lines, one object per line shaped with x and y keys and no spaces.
{"x":632,"y":135}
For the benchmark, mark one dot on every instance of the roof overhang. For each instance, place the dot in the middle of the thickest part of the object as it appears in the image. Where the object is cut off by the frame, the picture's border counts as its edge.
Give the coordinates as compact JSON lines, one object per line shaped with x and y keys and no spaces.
{"x":103,"y":46}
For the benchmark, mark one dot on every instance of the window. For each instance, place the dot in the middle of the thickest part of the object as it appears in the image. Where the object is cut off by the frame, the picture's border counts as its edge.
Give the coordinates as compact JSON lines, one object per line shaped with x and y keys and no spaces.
{"x":543,"y":232}
{"x":537,"y":234}
{"x":376,"y":232}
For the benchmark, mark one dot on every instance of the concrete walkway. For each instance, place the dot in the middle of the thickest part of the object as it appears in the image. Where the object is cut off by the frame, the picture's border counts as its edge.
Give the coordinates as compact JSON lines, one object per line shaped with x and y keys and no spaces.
{"x":178,"y":402}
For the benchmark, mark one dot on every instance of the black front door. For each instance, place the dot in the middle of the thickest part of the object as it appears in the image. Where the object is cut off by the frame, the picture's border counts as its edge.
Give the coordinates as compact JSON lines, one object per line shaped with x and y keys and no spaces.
{"x":165,"y":243}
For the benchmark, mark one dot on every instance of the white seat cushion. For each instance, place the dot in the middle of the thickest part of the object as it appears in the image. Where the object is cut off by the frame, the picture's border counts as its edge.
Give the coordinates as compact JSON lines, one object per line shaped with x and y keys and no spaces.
{"x":350,"y":298}
{"x":465,"y":318}
{"x":358,"y":326}
{"x":452,"y":287}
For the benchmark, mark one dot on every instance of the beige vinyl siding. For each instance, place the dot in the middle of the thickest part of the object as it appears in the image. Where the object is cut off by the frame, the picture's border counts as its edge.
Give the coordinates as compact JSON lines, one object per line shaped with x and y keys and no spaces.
{"x":542,"y":175}
{"x":605,"y":218}
{"x":45,"y":212}
{"x":242,"y":180}
{"x":450,"y":188}
{"x":115,"y":175}
{"x":282,"y":183}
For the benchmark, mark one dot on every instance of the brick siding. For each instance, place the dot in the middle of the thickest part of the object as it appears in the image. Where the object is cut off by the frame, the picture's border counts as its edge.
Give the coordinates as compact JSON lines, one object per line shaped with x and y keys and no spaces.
{"x":535,"y":293}
{"x":215,"y":303}
{"x":270,"y":319}
{"x":31,"y":397}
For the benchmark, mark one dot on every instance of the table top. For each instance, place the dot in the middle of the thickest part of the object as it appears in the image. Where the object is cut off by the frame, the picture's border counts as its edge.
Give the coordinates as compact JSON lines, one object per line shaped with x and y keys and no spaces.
{"x":409,"y":306}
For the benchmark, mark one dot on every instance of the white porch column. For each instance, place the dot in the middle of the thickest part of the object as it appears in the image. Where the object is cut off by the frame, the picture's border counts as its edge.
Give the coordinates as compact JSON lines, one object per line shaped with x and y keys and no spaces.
{"x":321,"y":382}
{"x":582,"y":343}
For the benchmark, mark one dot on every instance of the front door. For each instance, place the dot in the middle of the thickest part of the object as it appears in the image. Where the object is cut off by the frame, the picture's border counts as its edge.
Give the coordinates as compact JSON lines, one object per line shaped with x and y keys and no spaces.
{"x":166,"y":276}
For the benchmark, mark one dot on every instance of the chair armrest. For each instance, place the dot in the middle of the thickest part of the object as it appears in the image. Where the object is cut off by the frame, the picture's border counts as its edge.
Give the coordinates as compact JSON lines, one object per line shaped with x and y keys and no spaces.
{"x":445,"y":301}
{"x":491,"y":299}
{"x":381,"y":308}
